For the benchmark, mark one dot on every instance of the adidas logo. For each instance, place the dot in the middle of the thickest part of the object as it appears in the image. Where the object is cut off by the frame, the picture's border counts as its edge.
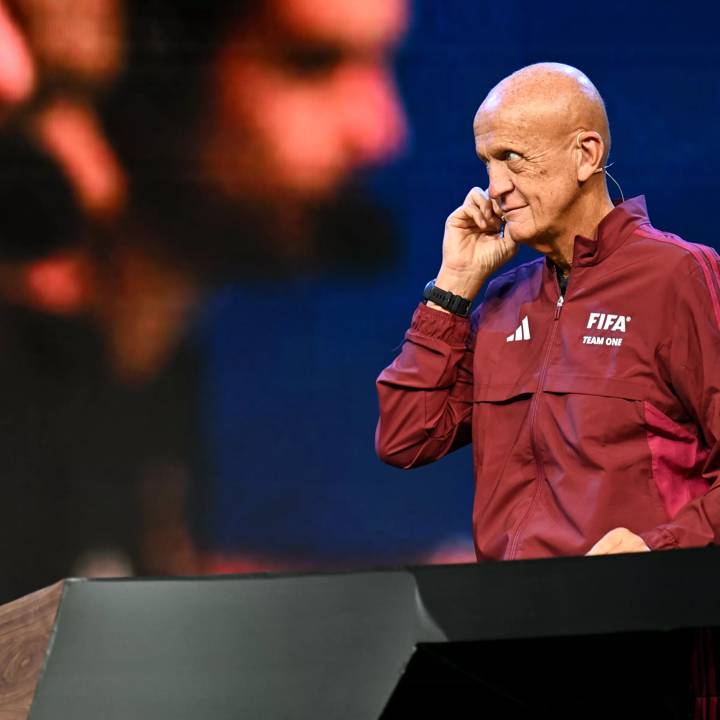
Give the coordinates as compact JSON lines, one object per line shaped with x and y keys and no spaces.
{"x":522,"y":332}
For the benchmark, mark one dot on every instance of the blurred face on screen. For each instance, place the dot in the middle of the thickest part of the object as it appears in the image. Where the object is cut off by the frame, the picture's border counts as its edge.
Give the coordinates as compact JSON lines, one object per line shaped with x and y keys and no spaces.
{"x":303,"y":95}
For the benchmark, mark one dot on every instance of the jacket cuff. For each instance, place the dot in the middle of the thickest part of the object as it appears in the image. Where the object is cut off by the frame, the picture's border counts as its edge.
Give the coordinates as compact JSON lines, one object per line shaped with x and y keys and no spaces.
{"x":660,"y":538}
{"x":452,"y":329}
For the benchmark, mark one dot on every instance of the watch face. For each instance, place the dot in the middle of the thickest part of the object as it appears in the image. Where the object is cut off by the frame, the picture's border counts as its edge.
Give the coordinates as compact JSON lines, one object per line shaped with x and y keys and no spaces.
{"x":428,"y":289}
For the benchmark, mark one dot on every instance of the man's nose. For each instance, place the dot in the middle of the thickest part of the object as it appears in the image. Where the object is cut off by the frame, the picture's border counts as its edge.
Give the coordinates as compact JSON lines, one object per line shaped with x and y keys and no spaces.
{"x":374,"y":123}
{"x":500,"y":181}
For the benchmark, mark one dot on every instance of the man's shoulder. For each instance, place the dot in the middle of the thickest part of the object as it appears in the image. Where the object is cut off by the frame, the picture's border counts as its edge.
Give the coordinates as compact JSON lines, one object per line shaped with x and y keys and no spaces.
{"x":671,"y":251}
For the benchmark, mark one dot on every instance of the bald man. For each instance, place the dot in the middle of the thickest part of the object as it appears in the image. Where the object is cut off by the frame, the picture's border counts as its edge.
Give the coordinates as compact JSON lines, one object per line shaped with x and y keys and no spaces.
{"x":588,"y":380}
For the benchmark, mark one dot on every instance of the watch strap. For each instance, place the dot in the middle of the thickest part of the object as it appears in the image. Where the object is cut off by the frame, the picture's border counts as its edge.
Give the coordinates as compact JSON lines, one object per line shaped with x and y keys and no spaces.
{"x":448,"y":301}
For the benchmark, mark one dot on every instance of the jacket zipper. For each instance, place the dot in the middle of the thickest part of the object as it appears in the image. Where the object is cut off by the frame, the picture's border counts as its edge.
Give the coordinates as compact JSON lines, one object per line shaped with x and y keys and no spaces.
{"x":533,"y":415}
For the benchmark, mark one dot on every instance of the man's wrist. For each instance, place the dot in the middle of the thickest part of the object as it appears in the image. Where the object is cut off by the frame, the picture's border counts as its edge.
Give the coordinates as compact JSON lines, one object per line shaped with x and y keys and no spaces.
{"x":466,"y":285}
{"x":435,"y":306}
{"x":444,"y":300}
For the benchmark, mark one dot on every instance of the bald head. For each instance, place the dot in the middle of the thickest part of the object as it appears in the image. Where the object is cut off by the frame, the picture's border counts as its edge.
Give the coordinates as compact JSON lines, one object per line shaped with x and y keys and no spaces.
{"x":555,"y":98}
{"x":543,"y":135}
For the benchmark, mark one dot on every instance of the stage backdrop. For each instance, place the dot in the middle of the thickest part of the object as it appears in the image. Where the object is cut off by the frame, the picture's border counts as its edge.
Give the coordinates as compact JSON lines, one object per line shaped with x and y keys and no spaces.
{"x":290,"y":404}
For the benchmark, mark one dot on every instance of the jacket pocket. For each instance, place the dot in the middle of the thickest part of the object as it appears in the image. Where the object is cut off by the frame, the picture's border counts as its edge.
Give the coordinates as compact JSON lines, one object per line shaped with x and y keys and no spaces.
{"x":600,"y":386}
{"x":595,"y":425}
{"x":505,"y":390}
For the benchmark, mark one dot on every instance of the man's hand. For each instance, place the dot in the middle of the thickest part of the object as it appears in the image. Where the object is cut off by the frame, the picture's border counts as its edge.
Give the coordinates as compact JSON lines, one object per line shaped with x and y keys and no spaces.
{"x":619,"y":540}
{"x":474,"y":245}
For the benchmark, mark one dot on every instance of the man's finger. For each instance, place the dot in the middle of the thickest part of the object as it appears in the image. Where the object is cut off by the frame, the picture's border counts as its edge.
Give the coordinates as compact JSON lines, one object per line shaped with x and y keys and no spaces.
{"x":485,"y":203}
{"x":475,"y":213}
{"x":606,"y":543}
{"x":619,"y":540}
{"x":604,"y":546}
{"x":460,"y":217}
{"x":478,"y":194}
{"x":633,"y":546}
{"x":480,"y":209}
{"x":478,"y":198}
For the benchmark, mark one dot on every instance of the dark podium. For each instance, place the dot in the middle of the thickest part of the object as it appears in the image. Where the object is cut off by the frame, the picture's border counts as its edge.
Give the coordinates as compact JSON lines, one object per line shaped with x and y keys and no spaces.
{"x":608,"y":637}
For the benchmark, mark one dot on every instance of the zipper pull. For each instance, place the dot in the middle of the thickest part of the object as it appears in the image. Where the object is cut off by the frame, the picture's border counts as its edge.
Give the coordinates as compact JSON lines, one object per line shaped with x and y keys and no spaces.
{"x":559,"y":306}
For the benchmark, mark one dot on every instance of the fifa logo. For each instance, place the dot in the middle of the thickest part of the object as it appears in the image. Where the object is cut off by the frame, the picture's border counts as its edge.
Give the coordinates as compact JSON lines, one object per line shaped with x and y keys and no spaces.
{"x":603,"y":321}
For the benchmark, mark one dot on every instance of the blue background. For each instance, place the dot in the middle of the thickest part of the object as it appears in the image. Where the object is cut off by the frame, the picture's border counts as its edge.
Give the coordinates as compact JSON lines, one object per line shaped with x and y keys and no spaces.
{"x":291,"y":406}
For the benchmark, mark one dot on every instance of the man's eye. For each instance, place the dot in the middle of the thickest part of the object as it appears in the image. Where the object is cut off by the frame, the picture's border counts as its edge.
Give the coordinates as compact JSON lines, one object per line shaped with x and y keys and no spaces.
{"x":511,"y":156}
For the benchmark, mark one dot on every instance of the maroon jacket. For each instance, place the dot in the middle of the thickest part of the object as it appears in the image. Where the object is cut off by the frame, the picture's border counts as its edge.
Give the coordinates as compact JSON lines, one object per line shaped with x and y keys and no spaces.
{"x":596,"y":411}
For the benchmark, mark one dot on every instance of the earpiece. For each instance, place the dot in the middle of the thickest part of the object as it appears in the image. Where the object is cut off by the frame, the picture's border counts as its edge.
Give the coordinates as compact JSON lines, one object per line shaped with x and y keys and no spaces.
{"x":603,"y":169}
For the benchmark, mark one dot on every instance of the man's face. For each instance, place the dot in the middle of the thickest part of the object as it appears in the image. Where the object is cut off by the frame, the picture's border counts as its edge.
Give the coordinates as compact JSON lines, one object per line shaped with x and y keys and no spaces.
{"x":530,"y":168}
{"x":306,"y":95}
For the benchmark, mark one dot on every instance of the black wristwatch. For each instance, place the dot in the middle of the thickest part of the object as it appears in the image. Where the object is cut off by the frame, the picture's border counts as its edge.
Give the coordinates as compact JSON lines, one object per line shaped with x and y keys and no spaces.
{"x":446,"y":300}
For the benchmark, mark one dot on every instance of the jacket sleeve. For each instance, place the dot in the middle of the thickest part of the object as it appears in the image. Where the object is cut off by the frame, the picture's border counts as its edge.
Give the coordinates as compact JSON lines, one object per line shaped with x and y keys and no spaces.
{"x":426,"y":394}
{"x":694,"y":368}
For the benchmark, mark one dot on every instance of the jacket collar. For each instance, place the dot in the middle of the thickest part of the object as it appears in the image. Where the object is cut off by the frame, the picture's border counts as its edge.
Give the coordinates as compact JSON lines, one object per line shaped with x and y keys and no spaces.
{"x":613,"y":230}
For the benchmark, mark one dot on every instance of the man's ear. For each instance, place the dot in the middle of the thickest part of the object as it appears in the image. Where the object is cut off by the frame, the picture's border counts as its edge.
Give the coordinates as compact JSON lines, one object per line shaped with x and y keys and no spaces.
{"x":590,"y":152}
